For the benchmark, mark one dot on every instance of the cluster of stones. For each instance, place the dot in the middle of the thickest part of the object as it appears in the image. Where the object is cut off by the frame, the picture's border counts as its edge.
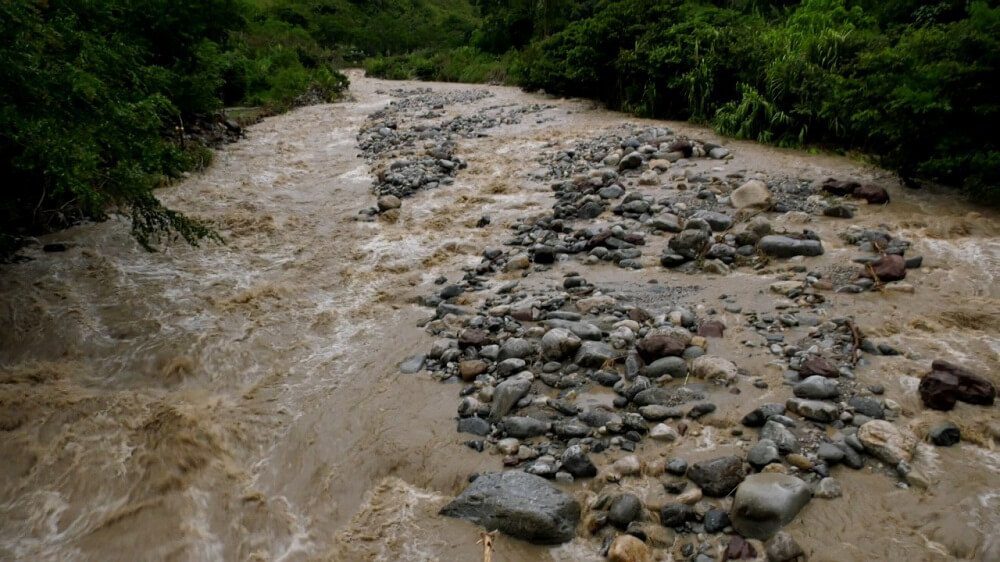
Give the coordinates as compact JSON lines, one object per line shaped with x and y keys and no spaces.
{"x":471,"y":126}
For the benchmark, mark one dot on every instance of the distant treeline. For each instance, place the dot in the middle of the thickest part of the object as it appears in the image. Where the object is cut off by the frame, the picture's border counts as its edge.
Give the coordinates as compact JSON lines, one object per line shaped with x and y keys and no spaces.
{"x":96,"y":95}
{"x":910,"y":82}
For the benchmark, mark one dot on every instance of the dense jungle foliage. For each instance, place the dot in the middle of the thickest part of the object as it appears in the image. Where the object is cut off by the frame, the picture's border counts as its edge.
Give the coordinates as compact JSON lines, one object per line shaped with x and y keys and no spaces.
{"x":909,"y":82}
{"x":98,"y":98}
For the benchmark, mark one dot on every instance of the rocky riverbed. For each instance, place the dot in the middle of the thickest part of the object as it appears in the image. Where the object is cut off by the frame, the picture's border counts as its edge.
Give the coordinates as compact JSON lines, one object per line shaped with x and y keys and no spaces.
{"x":448,"y":308}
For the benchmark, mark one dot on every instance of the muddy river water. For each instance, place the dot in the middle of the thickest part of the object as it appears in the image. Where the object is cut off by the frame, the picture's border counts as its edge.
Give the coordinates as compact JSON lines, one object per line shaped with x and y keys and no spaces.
{"x":243,"y":401}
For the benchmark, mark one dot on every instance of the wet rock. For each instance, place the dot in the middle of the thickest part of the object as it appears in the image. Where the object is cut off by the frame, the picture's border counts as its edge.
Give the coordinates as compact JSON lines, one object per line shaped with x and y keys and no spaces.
{"x":839,"y":212}
{"x":816,"y":365}
{"x":867,"y":406}
{"x":559,"y":343}
{"x":515,"y":348}
{"x":717,"y":221}
{"x":658,"y":412}
{"x":945,"y":434}
{"x":654,"y":346}
{"x":713,"y":368}
{"x":781,"y":436}
{"x":948,"y":383}
{"x":887,"y":442}
{"x":474,"y":425}
{"x":763,"y":453}
{"x":786,"y":247}
{"x":518,"y":504}
{"x":412,"y":364}
{"x":759,"y":416}
{"x":689,"y":244}
{"x":716,"y":521}
{"x":766,"y":502}
{"x":816,"y":387}
{"x":595,"y":354}
{"x":886,"y":268}
{"x":830,"y":453}
{"x":627,"y":548}
{"x":624,"y":509}
{"x":753,"y":193}
{"x":871,"y":193}
{"x":676,"y":514}
{"x":523,"y":427}
{"x":471,"y":369}
{"x":676,"y":367}
{"x":783,"y":548}
{"x":507,"y":394}
{"x":739,"y":549}
{"x":711,"y":329}
{"x":828,"y":488}
{"x":576,"y":462}
{"x":630,"y":161}
{"x":388,"y":202}
{"x":815,"y":410}
{"x":663,"y":432}
{"x":717,"y":477}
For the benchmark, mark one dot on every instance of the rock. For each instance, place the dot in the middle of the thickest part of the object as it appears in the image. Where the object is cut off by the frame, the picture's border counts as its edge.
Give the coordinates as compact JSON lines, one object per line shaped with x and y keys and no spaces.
{"x":816,"y":388}
{"x":506,"y":395}
{"x":559,"y":343}
{"x":716,"y":520}
{"x":515,"y":348}
{"x":630,"y":161}
{"x":713,"y":368}
{"x":839,"y":212}
{"x":474,"y":425}
{"x":518,"y":504}
{"x":887,"y":442}
{"x":576,"y":462}
{"x":781,"y":436}
{"x":871,"y":193}
{"x":629,"y":465}
{"x":711,"y":329}
{"x":786,"y":247}
{"x":945,"y":434}
{"x":412,"y":364}
{"x":717,"y":221}
{"x":690,"y":243}
{"x":830,"y":453}
{"x":676,"y":514}
{"x":624,"y":509}
{"x":663,"y":432}
{"x":766,"y":502}
{"x":815,"y":410}
{"x":759,"y":416}
{"x":626,"y":548}
{"x":889,"y":267}
{"x":523,"y":427}
{"x":469,"y":370}
{"x":655,"y":345}
{"x":676,"y":367}
{"x":717,"y":477}
{"x":948,"y":383}
{"x":828,"y":488}
{"x":657,"y":412}
{"x":867,"y":406}
{"x":783,"y":548}
{"x":753,"y":193}
{"x":718,"y":153}
{"x":763,"y":453}
{"x":387,"y":202}
{"x":816,"y":365}
{"x":595,"y":354}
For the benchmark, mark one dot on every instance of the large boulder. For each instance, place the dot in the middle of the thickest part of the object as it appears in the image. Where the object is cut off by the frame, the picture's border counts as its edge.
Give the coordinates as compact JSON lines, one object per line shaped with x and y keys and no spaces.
{"x":753,"y":193}
{"x":887,"y":442}
{"x":948,"y":383}
{"x":519,"y":504}
{"x":786,"y":247}
{"x":719,"y":476}
{"x":766,"y":502}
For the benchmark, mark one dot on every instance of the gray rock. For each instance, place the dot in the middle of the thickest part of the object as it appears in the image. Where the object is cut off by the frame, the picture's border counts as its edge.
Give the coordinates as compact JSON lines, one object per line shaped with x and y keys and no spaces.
{"x":718,"y":221}
{"x":828,"y":488}
{"x":559,"y":343}
{"x":524,"y":426}
{"x":815,"y":410}
{"x":507,"y":394}
{"x":576,"y":462}
{"x":515,"y":348}
{"x":676,"y":514}
{"x":676,"y":367}
{"x":659,"y":412}
{"x":583,"y":330}
{"x":518,"y":504}
{"x":716,"y":521}
{"x":474,"y":425}
{"x":717,"y":477}
{"x":786,"y":247}
{"x":783,"y":548}
{"x":867,"y":406}
{"x":945,"y":434}
{"x":412,"y":364}
{"x":886,"y":442}
{"x":763,"y":453}
{"x":781,"y":436}
{"x":689,"y":243}
{"x":624,"y":509}
{"x":594,"y":354}
{"x":766,"y":502}
{"x":830,"y":453}
{"x":630,"y":161}
{"x":816,"y":387}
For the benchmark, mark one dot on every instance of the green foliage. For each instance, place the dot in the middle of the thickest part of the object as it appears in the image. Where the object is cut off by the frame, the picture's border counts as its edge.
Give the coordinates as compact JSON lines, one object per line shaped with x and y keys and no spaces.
{"x":463,"y":64}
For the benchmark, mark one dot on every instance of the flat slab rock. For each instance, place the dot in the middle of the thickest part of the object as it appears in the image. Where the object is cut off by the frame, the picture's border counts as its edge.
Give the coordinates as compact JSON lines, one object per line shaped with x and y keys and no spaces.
{"x":518,"y":504}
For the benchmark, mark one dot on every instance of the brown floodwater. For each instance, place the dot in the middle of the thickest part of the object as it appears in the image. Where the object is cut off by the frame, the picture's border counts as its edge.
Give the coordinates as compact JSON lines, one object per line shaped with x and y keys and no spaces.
{"x":242,"y":401}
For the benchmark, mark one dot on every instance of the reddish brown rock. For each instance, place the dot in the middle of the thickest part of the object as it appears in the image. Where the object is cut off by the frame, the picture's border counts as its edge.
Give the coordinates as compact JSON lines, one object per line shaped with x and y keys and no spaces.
{"x":469,"y":370}
{"x":656,"y":346}
{"x":872,"y":193}
{"x":948,"y":383}
{"x":840,"y":187}
{"x":739,"y":549}
{"x":711,"y":329}
{"x":639,"y":315}
{"x":816,"y":365}
{"x":889,"y":267}
{"x":473,"y":337}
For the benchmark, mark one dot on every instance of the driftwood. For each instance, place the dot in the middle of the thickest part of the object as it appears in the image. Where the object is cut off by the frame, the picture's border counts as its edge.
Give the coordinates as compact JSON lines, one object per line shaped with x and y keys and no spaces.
{"x":486,"y":539}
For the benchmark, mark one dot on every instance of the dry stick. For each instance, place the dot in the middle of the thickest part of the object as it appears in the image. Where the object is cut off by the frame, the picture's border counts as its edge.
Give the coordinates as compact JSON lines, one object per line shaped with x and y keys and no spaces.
{"x":486,"y":539}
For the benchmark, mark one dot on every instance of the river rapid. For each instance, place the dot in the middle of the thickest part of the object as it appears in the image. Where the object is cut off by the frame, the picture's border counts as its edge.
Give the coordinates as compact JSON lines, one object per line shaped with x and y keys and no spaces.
{"x":242,"y":401}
